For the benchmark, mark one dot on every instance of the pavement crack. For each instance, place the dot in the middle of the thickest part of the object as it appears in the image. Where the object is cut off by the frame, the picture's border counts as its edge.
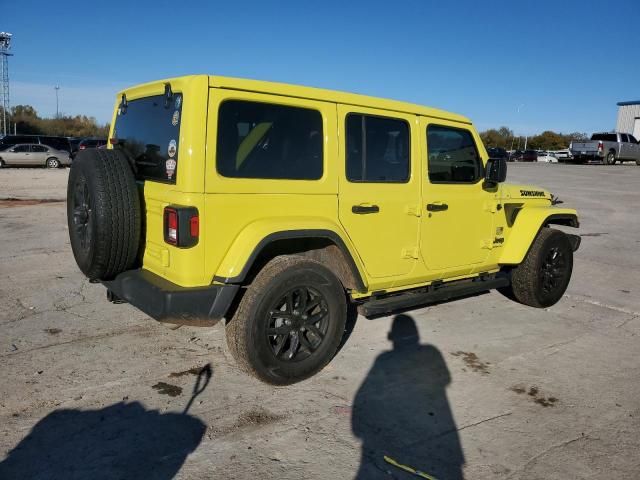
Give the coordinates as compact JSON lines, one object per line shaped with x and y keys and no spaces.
{"x":597,"y":303}
{"x":547,"y":450}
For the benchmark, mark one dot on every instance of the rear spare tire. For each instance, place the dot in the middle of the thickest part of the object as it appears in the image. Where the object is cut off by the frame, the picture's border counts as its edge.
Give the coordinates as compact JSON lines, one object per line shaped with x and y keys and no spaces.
{"x":103,"y":213}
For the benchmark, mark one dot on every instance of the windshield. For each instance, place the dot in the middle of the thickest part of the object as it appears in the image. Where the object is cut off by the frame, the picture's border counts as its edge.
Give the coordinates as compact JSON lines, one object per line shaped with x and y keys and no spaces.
{"x":148,"y":130}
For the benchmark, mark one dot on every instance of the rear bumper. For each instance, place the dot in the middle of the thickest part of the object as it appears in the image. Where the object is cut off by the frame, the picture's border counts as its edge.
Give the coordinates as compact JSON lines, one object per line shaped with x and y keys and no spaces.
{"x":167,"y":302}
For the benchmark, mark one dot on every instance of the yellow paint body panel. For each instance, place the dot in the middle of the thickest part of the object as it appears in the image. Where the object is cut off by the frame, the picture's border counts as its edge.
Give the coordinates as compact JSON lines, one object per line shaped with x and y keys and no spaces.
{"x":402,"y":247}
{"x":528,"y":222}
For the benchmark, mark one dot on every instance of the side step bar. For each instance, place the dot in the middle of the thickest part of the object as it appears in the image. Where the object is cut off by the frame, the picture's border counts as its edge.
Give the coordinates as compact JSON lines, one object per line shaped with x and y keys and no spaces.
{"x":433,"y":294}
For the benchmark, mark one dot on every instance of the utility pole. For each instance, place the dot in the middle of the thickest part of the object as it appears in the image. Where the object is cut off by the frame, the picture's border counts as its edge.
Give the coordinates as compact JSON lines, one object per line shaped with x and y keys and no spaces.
{"x":5,"y":45}
{"x":57,"y":87}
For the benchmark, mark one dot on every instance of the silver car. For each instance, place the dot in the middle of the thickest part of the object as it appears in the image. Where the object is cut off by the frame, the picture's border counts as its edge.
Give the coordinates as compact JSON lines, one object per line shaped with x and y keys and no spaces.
{"x":34,"y":154}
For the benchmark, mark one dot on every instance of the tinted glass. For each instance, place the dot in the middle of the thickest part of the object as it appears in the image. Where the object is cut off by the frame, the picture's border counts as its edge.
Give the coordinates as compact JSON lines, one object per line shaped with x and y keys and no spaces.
{"x":15,"y":139}
{"x":632,"y":139}
{"x":452,"y":155}
{"x":377,"y":149}
{"x":59,"y":143}
{"x":148,"y":131}
{"x":262,"y":140}
{"x":605,"y":137}
{"x":39,"y":148}
{"x":21,"y":148}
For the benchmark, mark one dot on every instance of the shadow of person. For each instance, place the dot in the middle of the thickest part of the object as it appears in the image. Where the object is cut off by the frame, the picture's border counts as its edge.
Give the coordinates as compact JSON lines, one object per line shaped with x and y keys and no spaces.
{"x":401,"y":411}
{"x":121,"y":441}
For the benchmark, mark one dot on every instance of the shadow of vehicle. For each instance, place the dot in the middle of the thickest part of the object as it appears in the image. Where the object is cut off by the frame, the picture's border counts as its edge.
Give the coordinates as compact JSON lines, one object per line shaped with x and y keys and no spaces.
{"x":121,"y":441}
{"x":401,"y":411}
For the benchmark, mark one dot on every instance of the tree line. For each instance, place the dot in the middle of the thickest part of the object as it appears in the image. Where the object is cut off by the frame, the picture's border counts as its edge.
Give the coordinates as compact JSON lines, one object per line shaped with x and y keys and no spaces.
{"x":28,"y":122}
{"x":503,"y":137}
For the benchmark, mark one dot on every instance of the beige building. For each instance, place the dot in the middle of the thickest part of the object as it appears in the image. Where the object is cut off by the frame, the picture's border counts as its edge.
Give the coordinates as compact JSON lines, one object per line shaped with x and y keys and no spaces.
{"x":629,"y":118}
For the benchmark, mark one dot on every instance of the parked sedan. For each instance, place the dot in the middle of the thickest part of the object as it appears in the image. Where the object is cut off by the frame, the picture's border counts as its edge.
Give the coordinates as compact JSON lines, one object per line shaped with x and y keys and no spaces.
{"x":547,"y":157}
{"x":32,"y":154}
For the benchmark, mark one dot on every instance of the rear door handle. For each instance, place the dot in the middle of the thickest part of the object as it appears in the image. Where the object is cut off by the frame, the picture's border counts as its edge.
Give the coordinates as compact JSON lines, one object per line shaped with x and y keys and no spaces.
{"x":365,"y":209}
{"x":437,"y":207}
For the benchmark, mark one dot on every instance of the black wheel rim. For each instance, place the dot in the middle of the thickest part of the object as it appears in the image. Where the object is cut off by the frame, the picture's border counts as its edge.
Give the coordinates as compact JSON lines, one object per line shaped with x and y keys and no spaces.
{"x":554,"y":268}
{"x":297,"y":324}
{"x":82,"y":213}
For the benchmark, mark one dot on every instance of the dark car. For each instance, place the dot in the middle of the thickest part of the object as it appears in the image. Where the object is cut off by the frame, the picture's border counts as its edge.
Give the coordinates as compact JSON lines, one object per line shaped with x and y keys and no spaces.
{"x":91,"y":143}
{"x":75,"y":142}
{"x":59,"y":143}
{"x":529,"y":156}
{"x":497,"y":152}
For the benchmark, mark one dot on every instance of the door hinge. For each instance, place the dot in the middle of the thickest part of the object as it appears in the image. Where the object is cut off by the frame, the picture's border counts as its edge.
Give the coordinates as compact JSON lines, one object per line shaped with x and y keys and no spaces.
{"x":487,"y":244}
{"x":414,"y":210}
{"x":411,"y":252}
{"x":492,"y":206}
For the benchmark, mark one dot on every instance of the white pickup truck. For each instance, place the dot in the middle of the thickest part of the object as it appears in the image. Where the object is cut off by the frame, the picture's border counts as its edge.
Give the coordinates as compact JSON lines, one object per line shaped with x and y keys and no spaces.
{"x":608,"y":148}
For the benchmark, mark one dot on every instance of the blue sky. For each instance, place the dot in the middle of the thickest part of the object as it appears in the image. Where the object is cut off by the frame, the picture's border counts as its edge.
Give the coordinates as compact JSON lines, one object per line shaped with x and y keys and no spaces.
{"x":531,"y":65}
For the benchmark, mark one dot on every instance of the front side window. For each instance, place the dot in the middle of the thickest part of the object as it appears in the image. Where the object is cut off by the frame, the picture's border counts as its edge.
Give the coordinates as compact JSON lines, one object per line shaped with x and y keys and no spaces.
{"x":268,"y":141}
{"x":452,"y":155}
{"x":21,"y":148}
{"x":377,"y":149}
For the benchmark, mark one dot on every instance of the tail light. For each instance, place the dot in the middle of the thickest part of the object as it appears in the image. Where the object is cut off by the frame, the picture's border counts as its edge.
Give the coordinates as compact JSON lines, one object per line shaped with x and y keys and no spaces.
{"x":82,"y":147}
{"x":600,"y":147}
{"x":181,"y":226}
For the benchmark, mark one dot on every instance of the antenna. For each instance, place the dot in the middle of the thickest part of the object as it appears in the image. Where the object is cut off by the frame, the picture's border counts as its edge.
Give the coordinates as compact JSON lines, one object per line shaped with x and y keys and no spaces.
{"x":5,"y":45}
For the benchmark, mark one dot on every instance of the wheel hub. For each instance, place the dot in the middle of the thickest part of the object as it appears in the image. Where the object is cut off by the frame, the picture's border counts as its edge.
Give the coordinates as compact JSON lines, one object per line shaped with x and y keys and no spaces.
{"x":298,"y":324}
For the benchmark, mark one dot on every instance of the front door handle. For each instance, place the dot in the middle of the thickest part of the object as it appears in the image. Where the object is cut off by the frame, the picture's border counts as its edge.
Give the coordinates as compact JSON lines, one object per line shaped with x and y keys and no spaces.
{"x":365,"y":209}
{"x":437,"y":207}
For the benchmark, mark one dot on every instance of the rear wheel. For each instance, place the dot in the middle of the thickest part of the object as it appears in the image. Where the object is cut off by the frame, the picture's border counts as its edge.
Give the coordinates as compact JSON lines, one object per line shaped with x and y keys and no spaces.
{"x":611,"y":158}
{"x":1,"y":163}
{"x":290,"y":321}
{"x":542,"y":278}
{"x":52,"y":162}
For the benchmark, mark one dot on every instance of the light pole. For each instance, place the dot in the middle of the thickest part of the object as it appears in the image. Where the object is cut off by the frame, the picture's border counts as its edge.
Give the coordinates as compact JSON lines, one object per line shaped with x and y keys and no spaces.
{"x":57,"y":87}
{"x":513,"y":137}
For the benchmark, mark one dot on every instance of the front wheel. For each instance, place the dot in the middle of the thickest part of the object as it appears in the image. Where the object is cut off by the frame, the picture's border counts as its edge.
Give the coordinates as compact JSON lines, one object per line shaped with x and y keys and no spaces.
{"x":53,"y":162}
{"x":290,"y":321}
{"x":542,"y":278}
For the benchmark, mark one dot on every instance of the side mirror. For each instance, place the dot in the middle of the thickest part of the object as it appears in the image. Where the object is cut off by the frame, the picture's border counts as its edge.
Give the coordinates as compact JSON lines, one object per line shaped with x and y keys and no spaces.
{"x":496,"y":171}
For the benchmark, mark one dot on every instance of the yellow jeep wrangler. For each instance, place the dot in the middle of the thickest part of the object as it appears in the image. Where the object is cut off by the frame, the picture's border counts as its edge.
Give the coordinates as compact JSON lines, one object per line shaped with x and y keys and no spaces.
{"x":279,"y":207}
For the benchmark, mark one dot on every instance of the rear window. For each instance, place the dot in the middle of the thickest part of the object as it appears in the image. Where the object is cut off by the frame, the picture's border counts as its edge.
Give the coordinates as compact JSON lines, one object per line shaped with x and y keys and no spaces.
{"x":148,"y":132}
{"x":262,"y":140}
{"x":605,"y":137}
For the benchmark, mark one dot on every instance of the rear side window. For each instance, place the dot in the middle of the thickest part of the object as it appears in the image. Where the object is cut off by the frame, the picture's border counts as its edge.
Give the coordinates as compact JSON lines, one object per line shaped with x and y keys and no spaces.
{"x":452,"y":155}
{"x":605,"y":137}
{"x":39,"y":148}
{"x":377,"y":149}
{"x":148,"y":132}
{"x":263,"y":140}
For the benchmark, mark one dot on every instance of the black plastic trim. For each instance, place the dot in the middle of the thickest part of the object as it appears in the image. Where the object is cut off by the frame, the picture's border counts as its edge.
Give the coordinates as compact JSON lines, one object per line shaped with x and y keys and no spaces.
{"x":292,"y":234}
{"x":570,"y":220}
{"x":167,"y":302}
{"x":436,"y":293}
